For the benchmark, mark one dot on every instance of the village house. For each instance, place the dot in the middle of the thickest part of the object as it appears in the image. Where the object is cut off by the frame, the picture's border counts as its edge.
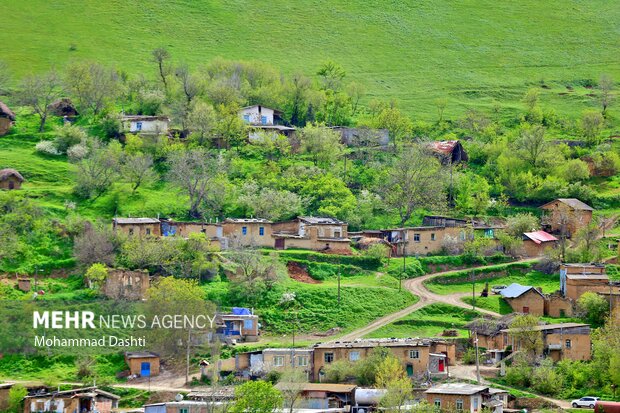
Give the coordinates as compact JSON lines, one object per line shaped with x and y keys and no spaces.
{"x":566,"y":216}
{"x":313,"y":233}
{"x":7,"y":117}
{"x":419,"y":357}
{"x":576,"y":279}
{"x":213,"y":232}
{"x":322,"y":396}
{"x":465,"y":397}
{"x":254,"y":232}
{"x":560,"y":341}
{"x":184,"y":406}
{"x":449,"y":152}
{"x":258,"y":363}
{"x":137,"y":226}
{"x":142,"y":363}
{"x":145,"y":125}
{"x":536,"y":243}
{"x":261,"y":118}
{"x":421,"y":240}
{"x":524,"y":299}
{"x":63,"y":107}
{"x":126,"y":285}
{"x":239,"y":325}
{"x":83,"y":400}
{"x":488,"y":333}
{"x":10,"y":179}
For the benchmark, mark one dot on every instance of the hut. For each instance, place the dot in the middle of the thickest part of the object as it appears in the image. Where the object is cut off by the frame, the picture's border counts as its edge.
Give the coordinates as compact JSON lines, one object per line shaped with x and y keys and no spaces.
{"x":10,"y":178}
{"x":7,"y":117}
{"x":63,"y":107}
{"x":449,"y":152}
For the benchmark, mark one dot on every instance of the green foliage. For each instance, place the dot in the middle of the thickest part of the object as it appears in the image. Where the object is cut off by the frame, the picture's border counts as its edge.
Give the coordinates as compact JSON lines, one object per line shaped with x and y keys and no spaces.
{"x":16,"y":397}
{"x":256,"y":397}
{"x":96,"y":274}
{"x":594,"y":308}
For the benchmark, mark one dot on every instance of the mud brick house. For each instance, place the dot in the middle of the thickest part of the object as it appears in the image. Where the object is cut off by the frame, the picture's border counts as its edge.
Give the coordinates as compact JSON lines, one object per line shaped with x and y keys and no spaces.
{"x":142,"y":363}
{"x":145,"y":125}
{"x":363,"y":137}
{"x":7,"y":117}
{"x":10,"y":179}
{"x":187,"y":406}
{"x":322,"y":396}
{"x":557,"y":305}
{"x":254,"y":232}
{"x":240,"y":325}
{"x":313,"y":233}
{"x":261,"y":118}
{"x":137,"y":226}
{"x":126,"y":285}
{"x":524,"y":299}
{"x":257,"y":363}
{"x":566,"y":216}
{"x":419,"y":357}
{"x":560,"y":341}
{"x":465,"y":397}
{"x":576,"y":279}
{"x":5,"y":388}
{"x":535,"y":243}
{"x":420,"y":240}
{"x":87,"y":399}
{"x":488,"y":333}
{"x":213,"y":232}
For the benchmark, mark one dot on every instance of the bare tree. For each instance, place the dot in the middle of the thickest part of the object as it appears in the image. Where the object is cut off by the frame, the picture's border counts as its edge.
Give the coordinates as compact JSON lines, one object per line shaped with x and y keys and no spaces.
{"x":95,"y":245}
{"x":606,"y":86}
{"x":93,"y":85}
{"x":161,"y":56}
{"x":138,"y":170}
{"x":190,"y":84}
{"x":356,"y":92}
{"x":38,"y":92}
{"x":194,"y":171}
{"x":416,"y":180}
{"x":96,"y":173}
{"x":532,"y":144}
{"x":291,"y":385}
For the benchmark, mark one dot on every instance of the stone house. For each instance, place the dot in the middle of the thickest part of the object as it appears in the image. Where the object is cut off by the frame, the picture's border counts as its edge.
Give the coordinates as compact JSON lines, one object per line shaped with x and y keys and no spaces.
{"x":488,"y":333}
{"x":536,"y":243}
{"x":255,"y":232}
{"x":142,"y":363}
{"x":524,"y":299}
{"x":566,"y":215}
{"x":145,"y":125}
{"x":313,"y":233}
{"x":322,"y":396}
{"x":558,"y":306}
{"x":88,"y":399}
{"x":363,"y":137}
{"x":137,"y":226}
{"x":419,"y":357}
{"x":126,"y":285}
{"x":560,"y":341}
{"x":421,"y":240}
{"x":7,"y":117}
{"x":465,"y":397}
{"x":10,"y":179}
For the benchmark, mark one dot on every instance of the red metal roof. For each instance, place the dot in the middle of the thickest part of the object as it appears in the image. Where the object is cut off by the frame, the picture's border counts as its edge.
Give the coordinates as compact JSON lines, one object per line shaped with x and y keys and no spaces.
{"x":540,"y":236}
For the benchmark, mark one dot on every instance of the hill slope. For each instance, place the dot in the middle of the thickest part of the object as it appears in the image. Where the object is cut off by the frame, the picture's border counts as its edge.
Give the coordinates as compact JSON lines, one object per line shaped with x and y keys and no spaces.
{"x":473,"y":52}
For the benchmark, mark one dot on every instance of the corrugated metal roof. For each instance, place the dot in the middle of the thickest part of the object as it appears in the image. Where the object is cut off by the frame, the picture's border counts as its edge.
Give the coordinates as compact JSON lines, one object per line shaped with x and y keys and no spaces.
{"x":544,"y":327}
{"x":321,"y":220}
{"x":540,"y":236}
{"x":573,"y":203}
{"x":136,"y":220}
{"x":329,"y":387}
{"x":456,"y":388}
{"x":515,"y":290}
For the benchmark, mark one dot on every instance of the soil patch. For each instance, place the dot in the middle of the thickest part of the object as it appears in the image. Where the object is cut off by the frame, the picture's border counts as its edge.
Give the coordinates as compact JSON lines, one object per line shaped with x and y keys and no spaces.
{"x":299,"y":273}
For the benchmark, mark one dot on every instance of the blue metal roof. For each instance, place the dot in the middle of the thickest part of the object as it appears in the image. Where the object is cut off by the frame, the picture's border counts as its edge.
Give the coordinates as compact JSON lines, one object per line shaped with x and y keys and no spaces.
{"x":515,"y":290}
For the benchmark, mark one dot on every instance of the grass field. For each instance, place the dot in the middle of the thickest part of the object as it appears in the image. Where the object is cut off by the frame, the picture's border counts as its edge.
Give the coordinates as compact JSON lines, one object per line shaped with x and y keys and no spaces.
{"x":429,"y":321}
{"x":473,"y":53}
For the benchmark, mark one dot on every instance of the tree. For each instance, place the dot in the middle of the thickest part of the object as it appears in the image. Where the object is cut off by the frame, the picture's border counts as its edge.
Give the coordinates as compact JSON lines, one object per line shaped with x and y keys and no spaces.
{"x":95,"y":245}
{"x":397,"y":124}
{"x":190,"y":84}
{"x":93,"y":86}
{"x":516,"y":225}
{"x":606,"y":86}
{"x":356,"y":92}
{"x":591,"y":125}
{"x":38,"y":92}
{"x":441,"y":104}
{"x":16,"y":398}
{"x":531,"y":99}
{"x":67,"y":136}
{"x":587,"y":238}
{"x":201,"y":122}
{"x":297,"y":102}
{"x":415,"y":180}
{"x":291,"y":385}
{"x":322,"y":143}
{"x":256,"y":397}
{"x":472,"y":194}
{"x":593,"y":307}
{"x":530,"y":340}
{"x":138,"y":170}
{"x":255,"y":273}
{"x":331,"y":75}
{"x":96,"y":275}
{"x":532,"y":144}
{"x":177,"y":296}
{"x":391,"y":376}
{"x":194,"y":171}
{"x":269,"y":203}
{"x":161,"y":56}
{"x":97,"y":172}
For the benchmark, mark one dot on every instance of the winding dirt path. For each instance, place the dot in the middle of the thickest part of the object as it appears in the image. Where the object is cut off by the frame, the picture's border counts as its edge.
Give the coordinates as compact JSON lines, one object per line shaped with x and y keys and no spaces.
{"x":416,"y":287}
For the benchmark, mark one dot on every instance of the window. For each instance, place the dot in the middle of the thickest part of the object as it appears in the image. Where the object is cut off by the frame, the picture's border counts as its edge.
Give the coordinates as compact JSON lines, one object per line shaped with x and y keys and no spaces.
{"x":278,"y":361}
{"x":488,"y":233}
{"x":302,"y":361}
{"x":414,"y":354}
{"x":248,"y":324}
{"x":475,"y":403}
{"x":526,"y":310}
{"x":459,"y":404}
{"x":329,"y":357}
{"x":336,"y":234}
{"x":416,"y":237}
{"x":562,"y":313}
{"x":183,"y":410}
{"x":433,"y":236}
{"x":261,"y":231}
{"x":354,"y":355}
{"x":263,"y":120}
{"x":244,"y":230}
{"x":138,"y":125}
{"x":246,"y":118}
{"x":437,"y":402}
{"x":130,"y":231}
{"x":568,"y":344}
{"x":148,"y":231}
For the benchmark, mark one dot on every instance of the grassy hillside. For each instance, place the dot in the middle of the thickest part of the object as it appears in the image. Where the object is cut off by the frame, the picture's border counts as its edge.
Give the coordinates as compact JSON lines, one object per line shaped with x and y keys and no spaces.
{"x":474,"y":52}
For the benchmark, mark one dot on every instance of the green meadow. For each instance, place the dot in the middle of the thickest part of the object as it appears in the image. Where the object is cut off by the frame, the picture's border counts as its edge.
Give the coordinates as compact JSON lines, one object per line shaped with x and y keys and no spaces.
{"x":476,"y":54}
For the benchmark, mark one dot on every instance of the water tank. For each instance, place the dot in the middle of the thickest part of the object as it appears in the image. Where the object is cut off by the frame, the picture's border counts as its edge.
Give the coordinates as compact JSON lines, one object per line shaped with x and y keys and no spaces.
{"x":369,"y":397}
{"x":607,"y":407}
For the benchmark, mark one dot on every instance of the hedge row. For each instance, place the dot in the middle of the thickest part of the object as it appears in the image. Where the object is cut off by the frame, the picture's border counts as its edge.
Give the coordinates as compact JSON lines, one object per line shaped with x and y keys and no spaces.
{"x":481,"y":273}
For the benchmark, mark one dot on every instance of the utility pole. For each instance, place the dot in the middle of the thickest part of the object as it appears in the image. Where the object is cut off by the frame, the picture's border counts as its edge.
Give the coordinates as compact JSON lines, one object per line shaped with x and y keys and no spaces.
{"x":339,"y":282}
{"x":477,"y":359}
{"x":189,"y":339}
{"x":400,"y":279}
{"x":473,"y":294}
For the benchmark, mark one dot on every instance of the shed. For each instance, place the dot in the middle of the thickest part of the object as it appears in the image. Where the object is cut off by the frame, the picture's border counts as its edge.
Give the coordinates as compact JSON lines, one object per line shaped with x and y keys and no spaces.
{"x":7,"y":117}
{"x":449,"y":152}
{"x":143,"y":363}
{"x":535,"y":243}
{"x":63,"y":107}
{"x":10,"y":179}
{"x":524,"y":298}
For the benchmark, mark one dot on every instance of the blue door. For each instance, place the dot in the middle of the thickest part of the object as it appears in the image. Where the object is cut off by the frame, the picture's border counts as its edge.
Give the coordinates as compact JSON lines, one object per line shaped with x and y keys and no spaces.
{"x":145,"y":369}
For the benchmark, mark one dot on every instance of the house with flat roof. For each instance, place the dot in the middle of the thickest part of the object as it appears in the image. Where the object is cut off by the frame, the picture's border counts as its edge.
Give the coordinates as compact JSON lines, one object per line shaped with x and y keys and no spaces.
{"x":137,"y":226}
{"x":145,"y":125}
{"x":142,"y":363}
{"x":321,"y":395}
{"x":465,"y":397}
{"x":83,"y":400}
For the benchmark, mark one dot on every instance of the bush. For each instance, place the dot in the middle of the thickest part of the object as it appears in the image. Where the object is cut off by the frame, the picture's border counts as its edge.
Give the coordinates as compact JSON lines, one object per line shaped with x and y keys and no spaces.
{"x":412,"y":269}
{"x":68,"y":136}
{"x":77,"y":152}
{"x":469,"y":356}
{"x":47,"y":148}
